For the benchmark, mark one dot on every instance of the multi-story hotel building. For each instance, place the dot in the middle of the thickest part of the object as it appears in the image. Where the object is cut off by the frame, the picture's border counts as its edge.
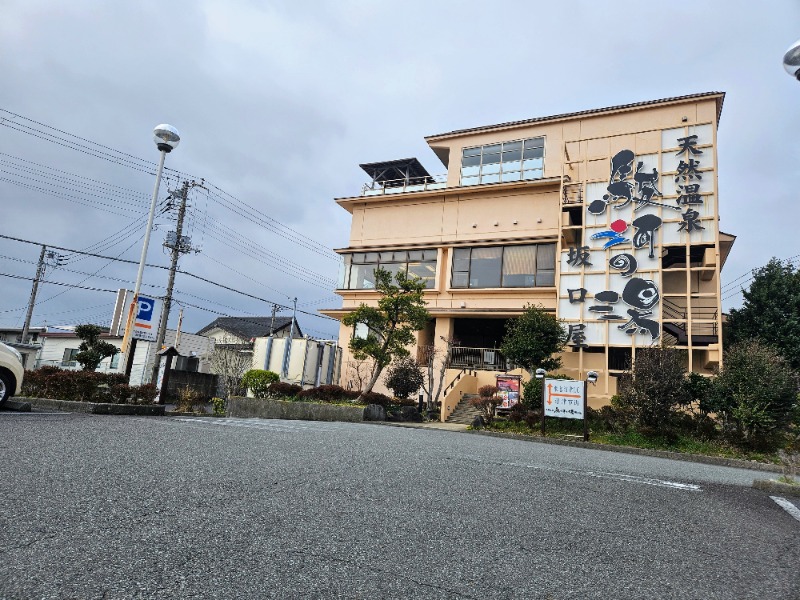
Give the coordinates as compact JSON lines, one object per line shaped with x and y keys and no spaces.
{"x":609,"y":218}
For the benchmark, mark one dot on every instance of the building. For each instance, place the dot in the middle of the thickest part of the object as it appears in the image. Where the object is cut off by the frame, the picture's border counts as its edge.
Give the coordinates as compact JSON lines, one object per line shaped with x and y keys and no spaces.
{"x":28,"y":347}
{"x":243,"y":330}
{"x":59,"y":347}
{"x":608,"y":218}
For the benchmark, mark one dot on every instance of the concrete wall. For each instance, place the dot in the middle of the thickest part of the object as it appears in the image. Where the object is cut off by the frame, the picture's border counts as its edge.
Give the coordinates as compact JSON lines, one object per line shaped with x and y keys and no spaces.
{"x":306,"y":411}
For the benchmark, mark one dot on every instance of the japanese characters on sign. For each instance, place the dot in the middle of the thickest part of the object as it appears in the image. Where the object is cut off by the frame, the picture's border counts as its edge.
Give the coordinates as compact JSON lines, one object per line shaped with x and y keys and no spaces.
{"x":641,"y":220}
{"x":563,"y":398}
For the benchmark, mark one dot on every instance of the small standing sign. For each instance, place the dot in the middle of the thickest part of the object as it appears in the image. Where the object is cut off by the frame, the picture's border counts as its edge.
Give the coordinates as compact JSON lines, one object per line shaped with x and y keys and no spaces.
{"x":566,"y":399}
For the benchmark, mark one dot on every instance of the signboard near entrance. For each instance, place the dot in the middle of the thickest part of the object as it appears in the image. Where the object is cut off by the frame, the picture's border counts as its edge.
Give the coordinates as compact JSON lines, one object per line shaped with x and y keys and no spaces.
{"x":564,"y":398}
{"x":508,"y":390}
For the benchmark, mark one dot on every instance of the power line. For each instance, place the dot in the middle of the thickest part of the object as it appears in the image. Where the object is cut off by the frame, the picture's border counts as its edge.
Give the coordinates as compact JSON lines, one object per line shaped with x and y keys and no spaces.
{"x":187,"y":273}
{"x":70,"y":285}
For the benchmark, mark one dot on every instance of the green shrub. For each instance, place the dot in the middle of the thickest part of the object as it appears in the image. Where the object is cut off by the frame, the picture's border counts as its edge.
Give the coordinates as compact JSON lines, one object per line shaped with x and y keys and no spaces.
{"x":84,"y":386}
{"x":258,"y":382}
{"x":404,"y":377}
{"x":755,"y":394}
{"x":280,"y":389}
{"x":376,"y":398}
{"x":700,"y":390}
{"x":219,"y":406}
{"x":327,"y":393}
{"x":653,"y":388}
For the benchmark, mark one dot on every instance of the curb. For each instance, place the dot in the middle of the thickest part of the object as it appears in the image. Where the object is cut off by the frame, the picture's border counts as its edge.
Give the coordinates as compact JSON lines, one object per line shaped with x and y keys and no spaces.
{"x":696,"y":458}
{"x":16,"y":406}
{"x":98,"y":408}
{"x":776,"y":487}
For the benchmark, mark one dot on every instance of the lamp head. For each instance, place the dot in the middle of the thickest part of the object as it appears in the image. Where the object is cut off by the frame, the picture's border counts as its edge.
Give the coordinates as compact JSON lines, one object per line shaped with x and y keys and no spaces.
{"x":591,"y":377}
{"x":791,"y":60}
{"x":166,"y":137}
{"x":540,"y":373}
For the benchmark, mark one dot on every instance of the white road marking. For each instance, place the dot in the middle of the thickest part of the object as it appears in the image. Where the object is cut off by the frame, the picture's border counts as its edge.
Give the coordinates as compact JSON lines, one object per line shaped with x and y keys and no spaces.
{"x":268,"y":424}
{"x":787,"y":506}
{"x":688,"y":487}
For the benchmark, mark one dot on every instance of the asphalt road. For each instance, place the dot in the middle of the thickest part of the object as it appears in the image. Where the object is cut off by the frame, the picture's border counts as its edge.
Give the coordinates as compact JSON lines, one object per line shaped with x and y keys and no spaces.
{"x":160,"y":507}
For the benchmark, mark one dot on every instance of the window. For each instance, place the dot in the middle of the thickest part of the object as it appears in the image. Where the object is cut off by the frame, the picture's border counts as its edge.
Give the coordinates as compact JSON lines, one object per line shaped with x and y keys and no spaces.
{"x":509,"y":161}
{"x":114,"y":364}
{"x":358,"y":269}
{"x":532,"y":265}
{"x":69,"y":354}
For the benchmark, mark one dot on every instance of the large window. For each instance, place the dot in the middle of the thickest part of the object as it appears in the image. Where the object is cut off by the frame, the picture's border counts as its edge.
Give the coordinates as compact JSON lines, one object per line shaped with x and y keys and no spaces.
{"x":509,"y":161}
{"x":358,"y":268}
{"x":531,"y":265}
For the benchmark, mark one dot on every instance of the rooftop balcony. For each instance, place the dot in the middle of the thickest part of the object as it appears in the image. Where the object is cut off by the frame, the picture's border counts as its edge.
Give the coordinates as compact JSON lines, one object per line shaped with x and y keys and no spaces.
{"x":401,"y":186}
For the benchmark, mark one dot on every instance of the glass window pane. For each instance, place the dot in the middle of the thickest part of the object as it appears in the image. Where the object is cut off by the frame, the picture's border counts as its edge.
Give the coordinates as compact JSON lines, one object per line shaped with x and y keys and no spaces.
{"x":461,"y":259}
{"x":534,"y":142}
{"x":470,"y":180}
{"x":537,"y":174}
{"x":485,"y":267}
{"x":385,"y":256}
{"x":470,"y":171}
{"x":424,"y":270}
{"x":493,"y":168}
{"x":393,"y":268}
{"x":491,"y":158}
{"x":344,"y":277}
{"x":470,"y":161}
{"x":512,"y":146}
{"x":533,"y":163}
{"x":491,"y":149}
{"x":512,"y":155}
{"x":511,"y":176}
{"x":362,"y":277}
{"x":519,"y":266}
{"x":430,"y":255}
{"x":514,"y":165}
{"x":545,"y":278}
{"x":471,"y":152}
{"x":533,"y":153}
{"x":459,"y":280}
{"x":490,"y":178}
{"x":546,"y":257}
{"x":359,"y":257}
{"x":415,"y":254}
{"x":371,"y":257}
{"x":360,"y":331}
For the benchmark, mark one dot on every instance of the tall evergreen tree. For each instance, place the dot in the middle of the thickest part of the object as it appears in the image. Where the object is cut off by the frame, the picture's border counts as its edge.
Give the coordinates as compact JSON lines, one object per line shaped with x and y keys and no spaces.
{"x":771,"y":310}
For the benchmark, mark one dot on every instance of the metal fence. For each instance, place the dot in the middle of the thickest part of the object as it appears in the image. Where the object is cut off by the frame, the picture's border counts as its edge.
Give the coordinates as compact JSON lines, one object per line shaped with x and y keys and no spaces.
{"x":484,"y":359}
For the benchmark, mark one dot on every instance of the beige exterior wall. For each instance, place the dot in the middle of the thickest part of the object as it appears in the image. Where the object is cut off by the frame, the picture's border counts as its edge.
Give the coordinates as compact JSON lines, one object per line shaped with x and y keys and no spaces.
{"x":577,"y":155}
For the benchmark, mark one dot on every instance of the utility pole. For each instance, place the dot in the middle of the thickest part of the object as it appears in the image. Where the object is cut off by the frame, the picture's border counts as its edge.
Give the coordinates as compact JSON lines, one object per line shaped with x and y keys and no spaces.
{"x":178,"y":247}
{"x":287,"y":352}
{"x":55,"y":261}
{"x":34,"y":290}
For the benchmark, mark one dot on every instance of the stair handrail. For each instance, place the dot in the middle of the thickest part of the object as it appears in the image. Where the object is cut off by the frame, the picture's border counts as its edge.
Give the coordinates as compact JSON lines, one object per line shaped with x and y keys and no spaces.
{"x":455,"y":380}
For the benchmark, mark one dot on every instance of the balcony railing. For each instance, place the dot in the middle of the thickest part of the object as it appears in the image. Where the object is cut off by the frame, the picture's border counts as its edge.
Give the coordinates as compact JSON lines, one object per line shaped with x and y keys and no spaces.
{"x":483,"y":359}
{"x":400,"y":186}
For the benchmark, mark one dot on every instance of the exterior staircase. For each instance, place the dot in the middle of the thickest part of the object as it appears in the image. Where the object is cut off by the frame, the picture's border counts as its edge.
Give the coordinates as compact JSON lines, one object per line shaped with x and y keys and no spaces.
{"x":464,"y":413}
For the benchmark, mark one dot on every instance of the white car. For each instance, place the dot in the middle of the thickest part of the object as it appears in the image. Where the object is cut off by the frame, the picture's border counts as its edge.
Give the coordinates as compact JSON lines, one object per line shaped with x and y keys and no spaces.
{"x":11,"y":372}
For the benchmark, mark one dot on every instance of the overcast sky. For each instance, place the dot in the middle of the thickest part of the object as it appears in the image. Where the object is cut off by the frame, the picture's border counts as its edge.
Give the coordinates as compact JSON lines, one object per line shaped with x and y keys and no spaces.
{"x":277,"y":104}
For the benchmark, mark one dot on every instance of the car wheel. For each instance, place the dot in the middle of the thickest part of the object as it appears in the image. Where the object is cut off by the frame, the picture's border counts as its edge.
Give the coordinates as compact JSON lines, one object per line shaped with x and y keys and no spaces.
{"x":6,"y":387}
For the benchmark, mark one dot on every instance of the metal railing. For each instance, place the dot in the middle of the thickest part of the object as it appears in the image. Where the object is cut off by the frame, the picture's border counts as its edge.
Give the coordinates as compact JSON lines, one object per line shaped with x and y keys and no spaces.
{"x":482,"y":359}
{"x":670,"y":310}
{"x":399,"y":186}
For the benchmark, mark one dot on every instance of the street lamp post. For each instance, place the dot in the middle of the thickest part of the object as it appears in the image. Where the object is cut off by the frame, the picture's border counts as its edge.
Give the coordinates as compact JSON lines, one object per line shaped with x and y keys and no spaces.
{"x":791,"y":60}
{"x":167,"y":139}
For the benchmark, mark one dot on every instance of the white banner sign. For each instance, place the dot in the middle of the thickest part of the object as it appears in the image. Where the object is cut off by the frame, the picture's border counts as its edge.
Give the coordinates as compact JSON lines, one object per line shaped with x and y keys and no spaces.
{"x":563,"y":398}
{"x":148,"y":316}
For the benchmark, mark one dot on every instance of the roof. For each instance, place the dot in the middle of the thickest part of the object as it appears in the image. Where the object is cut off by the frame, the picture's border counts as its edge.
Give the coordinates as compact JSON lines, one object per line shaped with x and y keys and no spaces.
{"x":247,"y":328}
{"x":402,"y":168}
{"x":582,"y":113}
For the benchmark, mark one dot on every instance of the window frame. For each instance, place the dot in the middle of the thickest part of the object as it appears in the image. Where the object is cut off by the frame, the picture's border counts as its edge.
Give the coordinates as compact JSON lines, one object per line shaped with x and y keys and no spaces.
{"x":468,"y":272}
{"x":364,"y":260}
{"x":492,"y":171}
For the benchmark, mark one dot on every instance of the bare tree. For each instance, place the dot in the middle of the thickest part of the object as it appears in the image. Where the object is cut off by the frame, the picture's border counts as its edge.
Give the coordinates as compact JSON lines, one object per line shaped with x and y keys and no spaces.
{"x":230,"y":360}
{"x":434,"y":362}
{"x":358,"y":373}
